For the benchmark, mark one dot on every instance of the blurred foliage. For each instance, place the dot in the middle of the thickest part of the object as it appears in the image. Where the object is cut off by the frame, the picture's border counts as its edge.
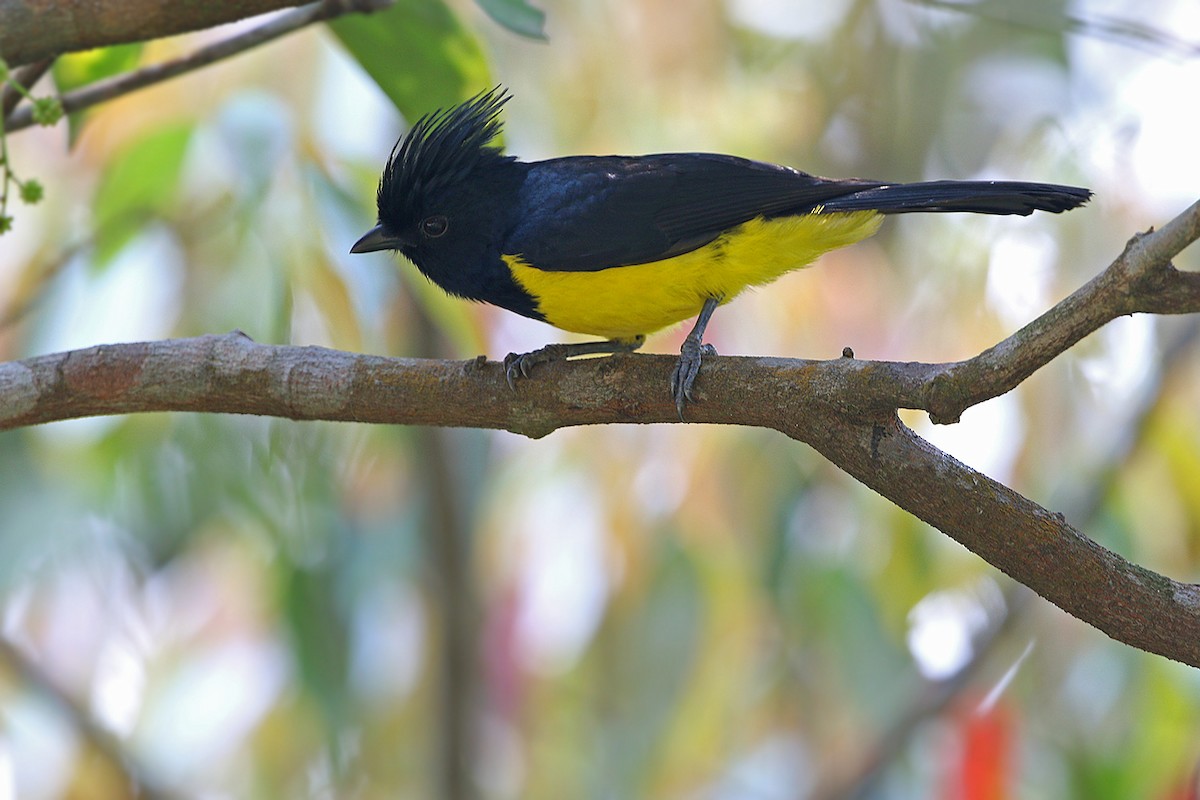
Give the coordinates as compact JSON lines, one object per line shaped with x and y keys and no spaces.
{"x":418,"y":53}
{"x":74,"y":70}
{"x":518,"y":16}
{"x":262,"y":608}
{"x":137,"y":183}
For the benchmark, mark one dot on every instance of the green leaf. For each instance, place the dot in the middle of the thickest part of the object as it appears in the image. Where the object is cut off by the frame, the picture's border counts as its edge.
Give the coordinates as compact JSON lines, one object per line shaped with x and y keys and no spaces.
{"x":418,"y":53}
{"x":79,"y":69}
{"x":517,"y":15}
{"x":138,"y":182}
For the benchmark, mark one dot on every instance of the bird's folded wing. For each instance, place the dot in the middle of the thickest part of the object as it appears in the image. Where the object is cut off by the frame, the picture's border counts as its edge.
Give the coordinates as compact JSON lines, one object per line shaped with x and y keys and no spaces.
{"x":589,"y":213}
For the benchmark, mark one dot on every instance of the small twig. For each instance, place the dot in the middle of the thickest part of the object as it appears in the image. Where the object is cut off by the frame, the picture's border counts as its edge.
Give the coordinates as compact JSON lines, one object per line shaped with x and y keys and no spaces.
{"x":28,"y":292}
{"x":26,"y":76}
{"x":99,"y":737}
{"x":1122,"y":31}
{"x":930,"y":700}
{"x":285,"y":23}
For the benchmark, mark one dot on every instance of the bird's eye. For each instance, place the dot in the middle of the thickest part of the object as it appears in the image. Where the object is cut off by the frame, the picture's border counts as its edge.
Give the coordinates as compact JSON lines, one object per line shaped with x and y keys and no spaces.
{"x":435,"y":226}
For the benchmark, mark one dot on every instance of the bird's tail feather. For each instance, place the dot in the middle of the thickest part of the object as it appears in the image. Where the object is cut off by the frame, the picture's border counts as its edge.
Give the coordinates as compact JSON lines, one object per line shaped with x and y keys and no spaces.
{"x":976,"y":197}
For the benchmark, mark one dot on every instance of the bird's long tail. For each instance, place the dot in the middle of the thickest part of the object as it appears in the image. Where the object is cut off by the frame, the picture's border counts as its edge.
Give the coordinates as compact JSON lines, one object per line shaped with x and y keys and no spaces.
{"x":976,"y":197}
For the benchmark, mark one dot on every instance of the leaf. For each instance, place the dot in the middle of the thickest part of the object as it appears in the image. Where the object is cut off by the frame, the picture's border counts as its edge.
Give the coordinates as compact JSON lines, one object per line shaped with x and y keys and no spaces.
{"x":79,"y":69}
{"x":518,"y":16}
{"x":418,"y":53}
{"x":138,"y":182}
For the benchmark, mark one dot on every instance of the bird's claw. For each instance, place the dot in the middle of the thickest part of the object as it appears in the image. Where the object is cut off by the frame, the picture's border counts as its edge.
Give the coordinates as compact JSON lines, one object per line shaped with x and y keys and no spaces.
{"x":683,"y":377}
{"x":518,"y":365}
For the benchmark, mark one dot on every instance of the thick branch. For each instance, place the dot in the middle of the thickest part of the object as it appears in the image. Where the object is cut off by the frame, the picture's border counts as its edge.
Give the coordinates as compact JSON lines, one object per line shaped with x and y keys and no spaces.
{"x":1034,"y":546}
{"x":38,"y":29}
{"x":843,"y":408}
{"x":232,"y":374}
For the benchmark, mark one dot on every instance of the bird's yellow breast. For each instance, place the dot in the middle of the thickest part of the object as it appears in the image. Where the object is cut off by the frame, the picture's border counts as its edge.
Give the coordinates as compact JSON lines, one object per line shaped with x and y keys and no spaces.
{"x":622,"y":302}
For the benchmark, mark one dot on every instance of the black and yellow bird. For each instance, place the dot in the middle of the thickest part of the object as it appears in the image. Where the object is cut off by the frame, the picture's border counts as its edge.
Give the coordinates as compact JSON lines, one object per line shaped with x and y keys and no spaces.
{"x":622,"y":246}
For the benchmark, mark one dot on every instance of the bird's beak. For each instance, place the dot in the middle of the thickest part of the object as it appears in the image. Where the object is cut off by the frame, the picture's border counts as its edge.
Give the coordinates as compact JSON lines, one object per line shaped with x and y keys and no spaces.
{"x":376,"y":239}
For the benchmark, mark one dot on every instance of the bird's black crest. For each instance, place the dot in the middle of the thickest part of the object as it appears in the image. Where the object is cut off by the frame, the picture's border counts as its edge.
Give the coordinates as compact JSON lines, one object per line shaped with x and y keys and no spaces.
{"x":443,"y":148}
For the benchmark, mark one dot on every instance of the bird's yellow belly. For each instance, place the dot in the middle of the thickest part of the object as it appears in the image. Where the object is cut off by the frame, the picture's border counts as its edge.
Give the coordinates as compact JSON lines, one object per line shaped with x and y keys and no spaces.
{"x":622,"y":302}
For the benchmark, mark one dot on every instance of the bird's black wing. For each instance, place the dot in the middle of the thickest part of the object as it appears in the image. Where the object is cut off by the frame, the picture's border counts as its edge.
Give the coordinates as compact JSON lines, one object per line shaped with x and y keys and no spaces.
{"x":588,"y":213}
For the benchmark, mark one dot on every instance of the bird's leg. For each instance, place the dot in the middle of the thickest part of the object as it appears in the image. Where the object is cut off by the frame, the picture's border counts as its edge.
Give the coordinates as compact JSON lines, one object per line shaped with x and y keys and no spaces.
{"x":690,"y":355}
{"x":517,"y":365}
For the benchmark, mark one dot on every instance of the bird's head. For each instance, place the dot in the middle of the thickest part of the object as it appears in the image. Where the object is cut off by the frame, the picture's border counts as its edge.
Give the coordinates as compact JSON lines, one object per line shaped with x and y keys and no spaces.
{"x":442,"y":192}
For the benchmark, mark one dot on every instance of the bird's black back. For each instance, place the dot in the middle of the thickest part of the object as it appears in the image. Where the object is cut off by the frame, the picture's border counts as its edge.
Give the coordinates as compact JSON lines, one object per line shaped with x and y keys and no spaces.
{"x":585,"y":213}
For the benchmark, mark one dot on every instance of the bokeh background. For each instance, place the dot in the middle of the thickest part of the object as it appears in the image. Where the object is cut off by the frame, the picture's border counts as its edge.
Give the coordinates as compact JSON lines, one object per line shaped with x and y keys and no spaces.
{"x":220,"y":606}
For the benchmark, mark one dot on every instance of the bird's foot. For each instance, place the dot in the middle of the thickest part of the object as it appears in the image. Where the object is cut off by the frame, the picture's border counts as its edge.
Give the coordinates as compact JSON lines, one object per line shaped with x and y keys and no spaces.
{"x":518,"y":365}
{"x":683,"y":377}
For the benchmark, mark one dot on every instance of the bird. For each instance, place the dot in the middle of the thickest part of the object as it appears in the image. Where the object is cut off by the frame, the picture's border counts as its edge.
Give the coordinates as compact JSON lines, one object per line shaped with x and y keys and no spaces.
{"x":620,"y":247}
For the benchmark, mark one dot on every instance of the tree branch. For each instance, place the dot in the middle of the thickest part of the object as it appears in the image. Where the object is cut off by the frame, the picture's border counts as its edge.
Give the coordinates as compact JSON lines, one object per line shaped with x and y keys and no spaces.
{"x":1032,"y":545}
{"x":844,"y":408}
{"x":1141,"y":279}
{"x":38,"y":29}
{"x":105,"y":90}
{"x":933,"y":696}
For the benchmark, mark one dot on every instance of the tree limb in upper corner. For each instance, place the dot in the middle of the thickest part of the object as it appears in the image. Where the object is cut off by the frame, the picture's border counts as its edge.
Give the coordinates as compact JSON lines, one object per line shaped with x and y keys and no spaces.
{"x":844,"y":408}
{"x":109,"y":88}
{"x":38,"y":29}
